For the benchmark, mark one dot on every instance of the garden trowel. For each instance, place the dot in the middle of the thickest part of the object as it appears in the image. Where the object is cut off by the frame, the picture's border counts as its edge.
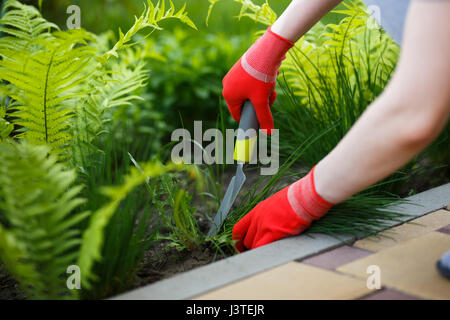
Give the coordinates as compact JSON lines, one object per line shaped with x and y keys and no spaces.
{"x":243,"y":153}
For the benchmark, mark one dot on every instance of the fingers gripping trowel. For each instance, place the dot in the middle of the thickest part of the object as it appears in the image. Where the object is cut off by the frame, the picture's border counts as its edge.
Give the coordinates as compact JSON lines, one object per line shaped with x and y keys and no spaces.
{"x":243,"y":153}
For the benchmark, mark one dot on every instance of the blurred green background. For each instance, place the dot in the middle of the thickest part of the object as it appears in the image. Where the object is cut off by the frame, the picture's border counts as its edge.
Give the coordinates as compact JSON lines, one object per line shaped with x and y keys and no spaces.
{"x":187,"y":82}
{"x":101,"y":15}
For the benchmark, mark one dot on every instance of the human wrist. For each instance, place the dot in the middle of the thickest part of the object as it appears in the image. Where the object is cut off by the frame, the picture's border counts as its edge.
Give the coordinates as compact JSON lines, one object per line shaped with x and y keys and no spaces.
{"x":331,"y":184}
{"x":283,"y":29}
{"x":280,"y":36}
{"x":305,"y":201}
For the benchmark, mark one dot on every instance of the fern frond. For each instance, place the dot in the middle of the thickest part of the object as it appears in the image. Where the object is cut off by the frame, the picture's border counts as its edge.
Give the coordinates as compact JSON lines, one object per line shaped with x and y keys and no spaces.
{"x":258,"y":13}
{"x":351,"y":49}
{"x":212,"y":3}
{"x":5,"y":127}
{"x":150,"y":18}
{"x":24,"y":24}
{"x":116,"y":88}
{"x":12,"y":251}
{"x":93,"y":236}
{"x":38,"y":198}
{"x":45,"y":80}
{"x":262,"y":14}
{"x":108,"y":89}
{"x":122,"y":82}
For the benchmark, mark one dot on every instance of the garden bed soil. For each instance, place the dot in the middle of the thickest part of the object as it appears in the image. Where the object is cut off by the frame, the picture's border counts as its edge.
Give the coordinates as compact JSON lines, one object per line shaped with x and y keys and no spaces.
{"x":162,"y":262}
{"x":9,"y":288}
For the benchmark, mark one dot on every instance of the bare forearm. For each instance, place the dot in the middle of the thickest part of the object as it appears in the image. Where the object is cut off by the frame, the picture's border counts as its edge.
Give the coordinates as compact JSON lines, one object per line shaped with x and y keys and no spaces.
{"x":376,"y":146}
{"x":300,"y":16}
{"x":404,"y":119}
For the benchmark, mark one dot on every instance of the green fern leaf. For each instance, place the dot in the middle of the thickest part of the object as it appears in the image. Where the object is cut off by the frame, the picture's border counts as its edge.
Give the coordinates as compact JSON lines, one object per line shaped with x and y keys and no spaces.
{"x":23,"y":23}
{"x":41,"y":238}
{"x":93,"y":236}
{"x":107,"y":90}
{"x":44,"y":82}
{"x":5,"y":127}
{"x":151,"y":16}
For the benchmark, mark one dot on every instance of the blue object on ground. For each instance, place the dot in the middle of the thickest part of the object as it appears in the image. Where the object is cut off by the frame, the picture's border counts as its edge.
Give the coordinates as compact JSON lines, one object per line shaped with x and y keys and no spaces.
{"x":443,"y":265}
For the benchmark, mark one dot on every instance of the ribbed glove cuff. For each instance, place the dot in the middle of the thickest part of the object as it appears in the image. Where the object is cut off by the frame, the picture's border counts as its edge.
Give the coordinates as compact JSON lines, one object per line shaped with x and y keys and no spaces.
{"x":305,"y":201}
{"x":265,"y":56}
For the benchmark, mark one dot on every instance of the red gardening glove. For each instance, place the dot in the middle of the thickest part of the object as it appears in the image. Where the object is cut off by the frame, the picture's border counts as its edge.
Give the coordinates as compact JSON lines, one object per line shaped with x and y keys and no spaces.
{"x":254,"y":76}
{"x":288,"y":212}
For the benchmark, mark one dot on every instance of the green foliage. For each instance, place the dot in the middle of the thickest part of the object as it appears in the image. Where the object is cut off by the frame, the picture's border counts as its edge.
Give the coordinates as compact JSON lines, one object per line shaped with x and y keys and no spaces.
{"x":151,"y":17}
{"x":115,"y":80}
{"x":43,"y":88}
{"x":66,"y":90}
{"x":60,"y":95}
{"x":42,"y":69}
{"x":125,"y":101}
{"x":355,"y":51}
{"x":13,"y":250}
{"x":330,"y":78}
{"x":5,"y":127}
{"x":24,"y":23}
{"x":185,"y":222}
{"x":87,"y":101}
{"x":260,"y":13}
{"x":93,"y":236}
{"x":187,"y":84}
{"x":132,"y":228}
{"x":38,"y":228}
{"x":130,"y":232}
{"x":108,"y":90}
{"x":184,"y":232}
{"x":41,"y":224}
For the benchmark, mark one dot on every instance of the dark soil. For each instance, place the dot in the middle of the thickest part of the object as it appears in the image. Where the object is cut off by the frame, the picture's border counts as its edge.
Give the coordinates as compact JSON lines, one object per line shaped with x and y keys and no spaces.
{"x":426,"y":177}
{"x":162,"y":262}
{"x":9,"y":288}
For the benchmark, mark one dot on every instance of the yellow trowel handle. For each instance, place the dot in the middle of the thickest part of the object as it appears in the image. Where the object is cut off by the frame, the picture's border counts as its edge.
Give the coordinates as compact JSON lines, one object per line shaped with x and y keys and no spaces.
{"x":247,"y":134}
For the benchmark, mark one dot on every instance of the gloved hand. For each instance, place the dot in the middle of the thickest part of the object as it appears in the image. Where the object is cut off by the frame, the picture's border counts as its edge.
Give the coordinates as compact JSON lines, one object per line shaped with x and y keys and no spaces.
{"x":253,"y":78}
{"x":288,"y":212}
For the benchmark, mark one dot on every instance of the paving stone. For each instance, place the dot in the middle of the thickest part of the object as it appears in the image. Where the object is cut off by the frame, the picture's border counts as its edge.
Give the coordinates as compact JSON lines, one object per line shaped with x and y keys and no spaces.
{"x":215,"y":275}
{"x":445,"y":229}
{"x":389,"y":294}
{"x":406,"y":231}
{"x":292,"y":281}
{"x":409,"y":267}
{"x":336,"y":257}
{"x":423,"y":203}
